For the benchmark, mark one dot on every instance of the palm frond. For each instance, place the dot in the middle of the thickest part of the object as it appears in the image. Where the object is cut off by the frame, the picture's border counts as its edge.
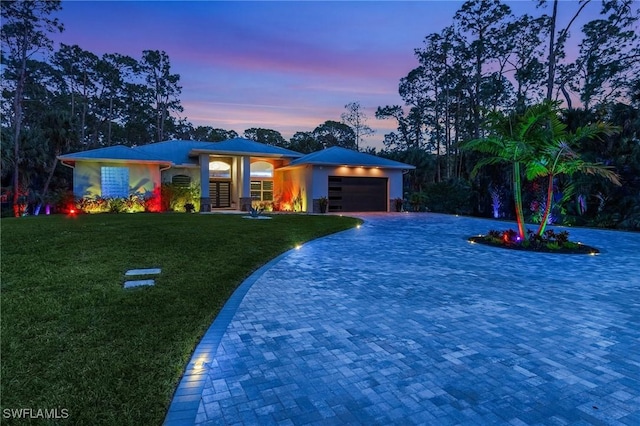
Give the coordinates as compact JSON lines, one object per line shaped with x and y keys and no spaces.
{"x":535,"y":170}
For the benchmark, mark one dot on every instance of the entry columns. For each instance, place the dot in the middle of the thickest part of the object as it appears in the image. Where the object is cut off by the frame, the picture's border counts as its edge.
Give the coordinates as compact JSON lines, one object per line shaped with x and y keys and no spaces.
{"x":245,"y":183}
{"x":205,"y":198}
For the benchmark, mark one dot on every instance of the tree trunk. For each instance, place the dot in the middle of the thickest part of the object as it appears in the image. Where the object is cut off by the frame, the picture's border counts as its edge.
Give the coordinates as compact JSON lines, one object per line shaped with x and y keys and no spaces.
{"x":552,"y":52}
{"x":476,"y":106}
{"x":110,"y":121}
{"x":46,"y":184}
{"x":547,"y":209}
{"x":17,"y":110}
{"x":437,"y":122}
{"x":517,"y":196}
{"x":567,"y":97}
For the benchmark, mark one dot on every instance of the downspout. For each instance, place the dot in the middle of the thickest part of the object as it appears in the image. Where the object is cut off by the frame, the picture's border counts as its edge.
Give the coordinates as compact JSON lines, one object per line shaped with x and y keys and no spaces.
{"x":71,"y":166}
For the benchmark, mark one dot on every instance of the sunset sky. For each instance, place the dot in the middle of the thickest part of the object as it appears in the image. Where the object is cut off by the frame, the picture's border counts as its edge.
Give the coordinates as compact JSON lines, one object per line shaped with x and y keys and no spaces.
{"x":287,"y":66}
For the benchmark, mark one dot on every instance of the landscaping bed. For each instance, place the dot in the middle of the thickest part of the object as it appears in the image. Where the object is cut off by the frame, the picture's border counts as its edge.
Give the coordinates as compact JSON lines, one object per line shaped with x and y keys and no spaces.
{"x":549,"y":242}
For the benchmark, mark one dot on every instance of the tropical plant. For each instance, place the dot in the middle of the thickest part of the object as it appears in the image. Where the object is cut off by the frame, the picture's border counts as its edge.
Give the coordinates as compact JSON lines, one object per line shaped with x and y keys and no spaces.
{"x":398,"y":204}
{"x":512,"y":139}
{"x":557,"y":157}
{"x":323,"y":203}
{"x":540,"y":142}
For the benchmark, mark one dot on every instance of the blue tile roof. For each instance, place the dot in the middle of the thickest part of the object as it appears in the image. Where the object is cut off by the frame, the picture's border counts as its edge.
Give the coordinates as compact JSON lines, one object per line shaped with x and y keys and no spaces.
{"x":247,"y":146}
{"x":337,"y":156}
{"x":175,"y":151}
{"x":180,"y":152}
{"x":112,"y":153}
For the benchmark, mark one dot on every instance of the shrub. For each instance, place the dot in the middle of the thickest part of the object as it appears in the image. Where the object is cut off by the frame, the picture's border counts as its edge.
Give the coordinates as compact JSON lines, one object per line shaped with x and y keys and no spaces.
{"x":174,"y":197}
{"x":263,"y":206}
{"x":453,"y":196}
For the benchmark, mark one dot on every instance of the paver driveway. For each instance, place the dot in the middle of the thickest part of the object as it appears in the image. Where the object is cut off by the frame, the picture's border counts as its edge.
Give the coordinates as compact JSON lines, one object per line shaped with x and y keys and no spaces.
{"x":404,"y":322}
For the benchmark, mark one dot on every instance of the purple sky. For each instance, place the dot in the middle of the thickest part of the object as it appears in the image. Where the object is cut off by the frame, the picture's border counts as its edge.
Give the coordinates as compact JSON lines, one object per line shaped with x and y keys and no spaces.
{"x":287,"y":66}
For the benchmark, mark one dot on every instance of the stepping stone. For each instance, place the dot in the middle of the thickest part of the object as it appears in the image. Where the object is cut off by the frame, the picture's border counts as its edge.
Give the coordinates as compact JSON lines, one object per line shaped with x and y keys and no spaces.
{"x":138,"y":283}
{"x":150,"y":271}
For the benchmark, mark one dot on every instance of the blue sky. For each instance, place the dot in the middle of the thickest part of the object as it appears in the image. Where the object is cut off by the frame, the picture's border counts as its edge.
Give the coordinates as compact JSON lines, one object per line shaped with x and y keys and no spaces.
{"x":287,"y":65}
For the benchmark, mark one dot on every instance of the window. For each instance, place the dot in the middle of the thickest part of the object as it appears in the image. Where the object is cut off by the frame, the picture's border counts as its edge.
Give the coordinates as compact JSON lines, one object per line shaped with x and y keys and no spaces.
{"x":182,"y":181}
{"x":262,"y":190}
{"x":115,"y":182}
{"x":219,"y":169}
{"x":261,"y":169}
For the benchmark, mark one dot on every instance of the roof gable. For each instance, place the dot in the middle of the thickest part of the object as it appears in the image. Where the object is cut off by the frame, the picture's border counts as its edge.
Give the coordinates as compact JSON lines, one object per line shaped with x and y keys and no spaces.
{"x":338,"y":156}
{"x":176,"y":151}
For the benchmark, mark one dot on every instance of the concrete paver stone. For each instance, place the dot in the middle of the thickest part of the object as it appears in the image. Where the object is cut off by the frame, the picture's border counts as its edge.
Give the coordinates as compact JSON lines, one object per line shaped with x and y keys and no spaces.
{"x":402,"y":321}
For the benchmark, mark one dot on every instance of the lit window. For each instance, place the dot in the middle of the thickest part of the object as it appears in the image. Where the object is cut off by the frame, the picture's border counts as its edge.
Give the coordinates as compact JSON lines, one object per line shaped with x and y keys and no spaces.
{"x":219,"y":169}
{"x":115,"y":182}
{"x":262,"y":190}
{"x":261,"y":169}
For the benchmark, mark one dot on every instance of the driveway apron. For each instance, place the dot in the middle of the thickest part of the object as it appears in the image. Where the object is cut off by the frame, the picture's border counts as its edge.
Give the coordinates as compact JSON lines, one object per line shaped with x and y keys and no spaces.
{"x":403,"y":321}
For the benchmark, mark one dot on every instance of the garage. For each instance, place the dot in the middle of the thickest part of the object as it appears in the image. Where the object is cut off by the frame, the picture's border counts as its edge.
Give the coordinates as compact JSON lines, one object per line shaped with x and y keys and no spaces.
{"x":358,"y":194}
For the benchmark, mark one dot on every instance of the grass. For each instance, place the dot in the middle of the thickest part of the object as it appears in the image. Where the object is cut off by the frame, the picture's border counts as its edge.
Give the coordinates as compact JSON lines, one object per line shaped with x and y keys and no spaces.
{"x":73,"y":338}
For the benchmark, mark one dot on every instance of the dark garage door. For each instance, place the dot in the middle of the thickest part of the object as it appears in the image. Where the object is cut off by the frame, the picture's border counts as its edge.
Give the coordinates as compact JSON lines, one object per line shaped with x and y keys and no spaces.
{"x":357,"y":194}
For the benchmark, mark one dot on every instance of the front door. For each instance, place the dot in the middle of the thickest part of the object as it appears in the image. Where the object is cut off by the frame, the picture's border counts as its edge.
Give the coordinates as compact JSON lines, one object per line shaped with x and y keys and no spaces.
{"x":220,"y":194}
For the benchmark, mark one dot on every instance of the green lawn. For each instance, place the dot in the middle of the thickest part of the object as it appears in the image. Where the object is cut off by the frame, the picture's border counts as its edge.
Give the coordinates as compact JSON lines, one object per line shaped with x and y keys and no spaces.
{"x":73,"y":338}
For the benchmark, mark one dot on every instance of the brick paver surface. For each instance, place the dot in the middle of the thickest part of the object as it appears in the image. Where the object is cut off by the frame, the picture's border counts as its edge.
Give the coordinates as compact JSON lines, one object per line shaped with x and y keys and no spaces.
{"x":404,"y":322}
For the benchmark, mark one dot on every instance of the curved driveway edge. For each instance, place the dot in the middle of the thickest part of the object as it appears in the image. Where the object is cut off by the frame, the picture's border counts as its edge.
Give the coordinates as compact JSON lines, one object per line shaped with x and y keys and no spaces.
{"x":404,"y":322}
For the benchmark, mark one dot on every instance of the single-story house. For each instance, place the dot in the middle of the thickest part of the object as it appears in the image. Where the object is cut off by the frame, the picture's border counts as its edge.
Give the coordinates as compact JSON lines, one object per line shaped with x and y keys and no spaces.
{"x":234,"y":173}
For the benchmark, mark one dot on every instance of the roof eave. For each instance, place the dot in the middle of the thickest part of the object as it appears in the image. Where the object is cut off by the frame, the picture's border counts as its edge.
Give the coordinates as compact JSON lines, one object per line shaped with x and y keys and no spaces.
{"x":112,"y":160}
{"x":252,"y":154}
{"x":371,"y":166}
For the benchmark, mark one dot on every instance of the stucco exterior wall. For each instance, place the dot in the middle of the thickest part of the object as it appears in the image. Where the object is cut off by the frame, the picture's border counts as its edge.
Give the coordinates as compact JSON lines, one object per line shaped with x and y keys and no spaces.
{"x":143,"y":178}
{"x":294,"y":184}
{"x":192,"y":172}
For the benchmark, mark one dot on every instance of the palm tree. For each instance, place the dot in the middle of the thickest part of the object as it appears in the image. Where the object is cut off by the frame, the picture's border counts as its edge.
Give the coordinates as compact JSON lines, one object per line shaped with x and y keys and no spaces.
{"x":557,"y":157}
{"x":539,"y":142}
{"x":512,"y":139}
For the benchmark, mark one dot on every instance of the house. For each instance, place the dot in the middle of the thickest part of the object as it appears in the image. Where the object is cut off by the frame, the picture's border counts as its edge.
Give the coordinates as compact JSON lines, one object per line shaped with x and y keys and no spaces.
{"x":234,"y":173}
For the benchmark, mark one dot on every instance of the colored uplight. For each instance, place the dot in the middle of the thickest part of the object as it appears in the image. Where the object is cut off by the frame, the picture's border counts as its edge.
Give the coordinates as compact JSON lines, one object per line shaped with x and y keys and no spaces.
{"x":72,"y":211}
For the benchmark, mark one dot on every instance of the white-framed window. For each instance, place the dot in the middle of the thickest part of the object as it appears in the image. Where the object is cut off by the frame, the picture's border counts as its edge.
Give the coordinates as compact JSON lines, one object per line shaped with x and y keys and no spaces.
{"x":261,"y":169}
{"x":262,"y":190}
{"x":219,"y":169}
{"x":114,"y":182}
